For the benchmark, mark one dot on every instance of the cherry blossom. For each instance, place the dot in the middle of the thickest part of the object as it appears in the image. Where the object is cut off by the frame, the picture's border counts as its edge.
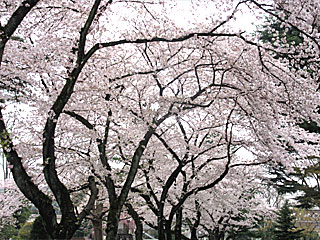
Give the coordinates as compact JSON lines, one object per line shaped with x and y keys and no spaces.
{"x":121,"y":94}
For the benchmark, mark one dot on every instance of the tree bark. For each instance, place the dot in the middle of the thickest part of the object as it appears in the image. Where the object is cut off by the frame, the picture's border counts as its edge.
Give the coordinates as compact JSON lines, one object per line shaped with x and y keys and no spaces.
{"x":161,"y":222}
{"x":197,"y":222}
{"x":63,"y":230}
{"x":113,"y":221}
{"x":69,"y":222}
{"x":137,"y":221}
{"x":24,"y":182}
{"x":13,"y":23}
{"x":168,"y":229}
{"x":178,"y":226}
{"x":97,"y":221}
{"x":117,"y":202}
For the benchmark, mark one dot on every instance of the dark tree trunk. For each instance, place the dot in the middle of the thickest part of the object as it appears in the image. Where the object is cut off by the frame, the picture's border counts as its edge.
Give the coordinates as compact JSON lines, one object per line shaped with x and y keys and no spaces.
{"x":194,"y":234}
{"x":97,"y":229}
{"x":113,"y":221}
{"x":161,"y":227}
{"x":178,"y":226}
{"x":65,"y":229}
{"x":97,"y":221}
{"x":216,"y":235}
{"x":197,"y":222}
{"x":69,"y":222}
{"x":117,"y":202}
{"x":212,"y":236}
{"x":161,"y":222}
{"x":168,"y":230}
{"x":137,"y":221}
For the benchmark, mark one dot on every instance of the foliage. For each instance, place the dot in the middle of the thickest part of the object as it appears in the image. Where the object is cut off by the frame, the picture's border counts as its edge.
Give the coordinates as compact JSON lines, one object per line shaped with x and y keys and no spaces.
{"x":300,"y":181}
{"x":84,"y":230}
{"x":173,"y":104}
{"x":20,"y":217}
{"x":295,"y":179}
{"x":263,"y":229}
{"x":25,"y":231}
{"x":277,"y":34}
{"x":8,"y":231}
{"x":38,"y":230}
{"x":285,"y":224}
{"x":307,"y":219}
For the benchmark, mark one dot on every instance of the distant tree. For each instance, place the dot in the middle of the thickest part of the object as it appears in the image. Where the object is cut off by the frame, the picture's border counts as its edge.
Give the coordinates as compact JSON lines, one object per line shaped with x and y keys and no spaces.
{"x":38,"y":230}
{"x":11,"y":229}
{"x":278,"y":35}
{"x":22,"y":215}
{"x":285,"y":228}
{"x":7,"y":231}
{"x":108,"y":80}
{"x":308,"y":220}
{"x":265,"y":230}
{"x":301,"y":180}
{"x":275,"y":33}
{"x":24,"y":232}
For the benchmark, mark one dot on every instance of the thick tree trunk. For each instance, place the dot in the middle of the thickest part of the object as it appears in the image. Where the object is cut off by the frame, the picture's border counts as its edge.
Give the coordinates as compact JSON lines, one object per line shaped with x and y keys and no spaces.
{"x":137,"y":221}
{"x":197,"y":222}
{"x":194,"y":234}
{"x":113,"y":221}
{"x":65,"y":229}
{"x":212,"y":236}
{"x":97,"y":222}
{"x":117,"y":202}
{"x":178,"y":226}
{"x":216,"y":235}
{"x":164,"y":228}
{"x":168,"y":230}
{"x":161,"y":222}
{"x":161,"y":232}
{"x":97,"y":229}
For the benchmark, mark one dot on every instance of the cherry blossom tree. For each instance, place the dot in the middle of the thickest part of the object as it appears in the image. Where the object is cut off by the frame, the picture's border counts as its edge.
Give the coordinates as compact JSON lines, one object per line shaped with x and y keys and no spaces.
{"x":11,"y":199}
{"x":14,"y":21}
{"x":287,"y":35}
{"x":303,"y":18}
{"x":207,"y":176}
{"x":118,"y":88}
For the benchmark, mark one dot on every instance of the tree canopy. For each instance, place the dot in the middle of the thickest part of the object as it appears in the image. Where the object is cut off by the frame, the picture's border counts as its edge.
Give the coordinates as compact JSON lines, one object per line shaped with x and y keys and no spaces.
{"x":118,"y":102}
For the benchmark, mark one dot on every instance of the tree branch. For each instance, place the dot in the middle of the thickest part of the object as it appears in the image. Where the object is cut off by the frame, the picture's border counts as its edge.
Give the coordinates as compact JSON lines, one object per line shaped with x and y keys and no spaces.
{"x":24,"y":181}
{"x":13,"y":23}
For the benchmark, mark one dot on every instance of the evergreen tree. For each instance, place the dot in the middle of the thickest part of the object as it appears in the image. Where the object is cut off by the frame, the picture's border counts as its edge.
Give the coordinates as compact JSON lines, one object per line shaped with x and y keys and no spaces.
{"x":11,"y":230}
{"x":24,"y":232}
{"x":22,"y":215}
{"x":285,"y":228}
{"x":38,"y":231}
{"x":275,"y":33}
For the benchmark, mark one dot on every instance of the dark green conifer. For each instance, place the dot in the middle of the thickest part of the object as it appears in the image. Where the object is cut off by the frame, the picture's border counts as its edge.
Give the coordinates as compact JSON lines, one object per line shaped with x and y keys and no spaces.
{"x":38,"y":231}
{"x":285,"y":228}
